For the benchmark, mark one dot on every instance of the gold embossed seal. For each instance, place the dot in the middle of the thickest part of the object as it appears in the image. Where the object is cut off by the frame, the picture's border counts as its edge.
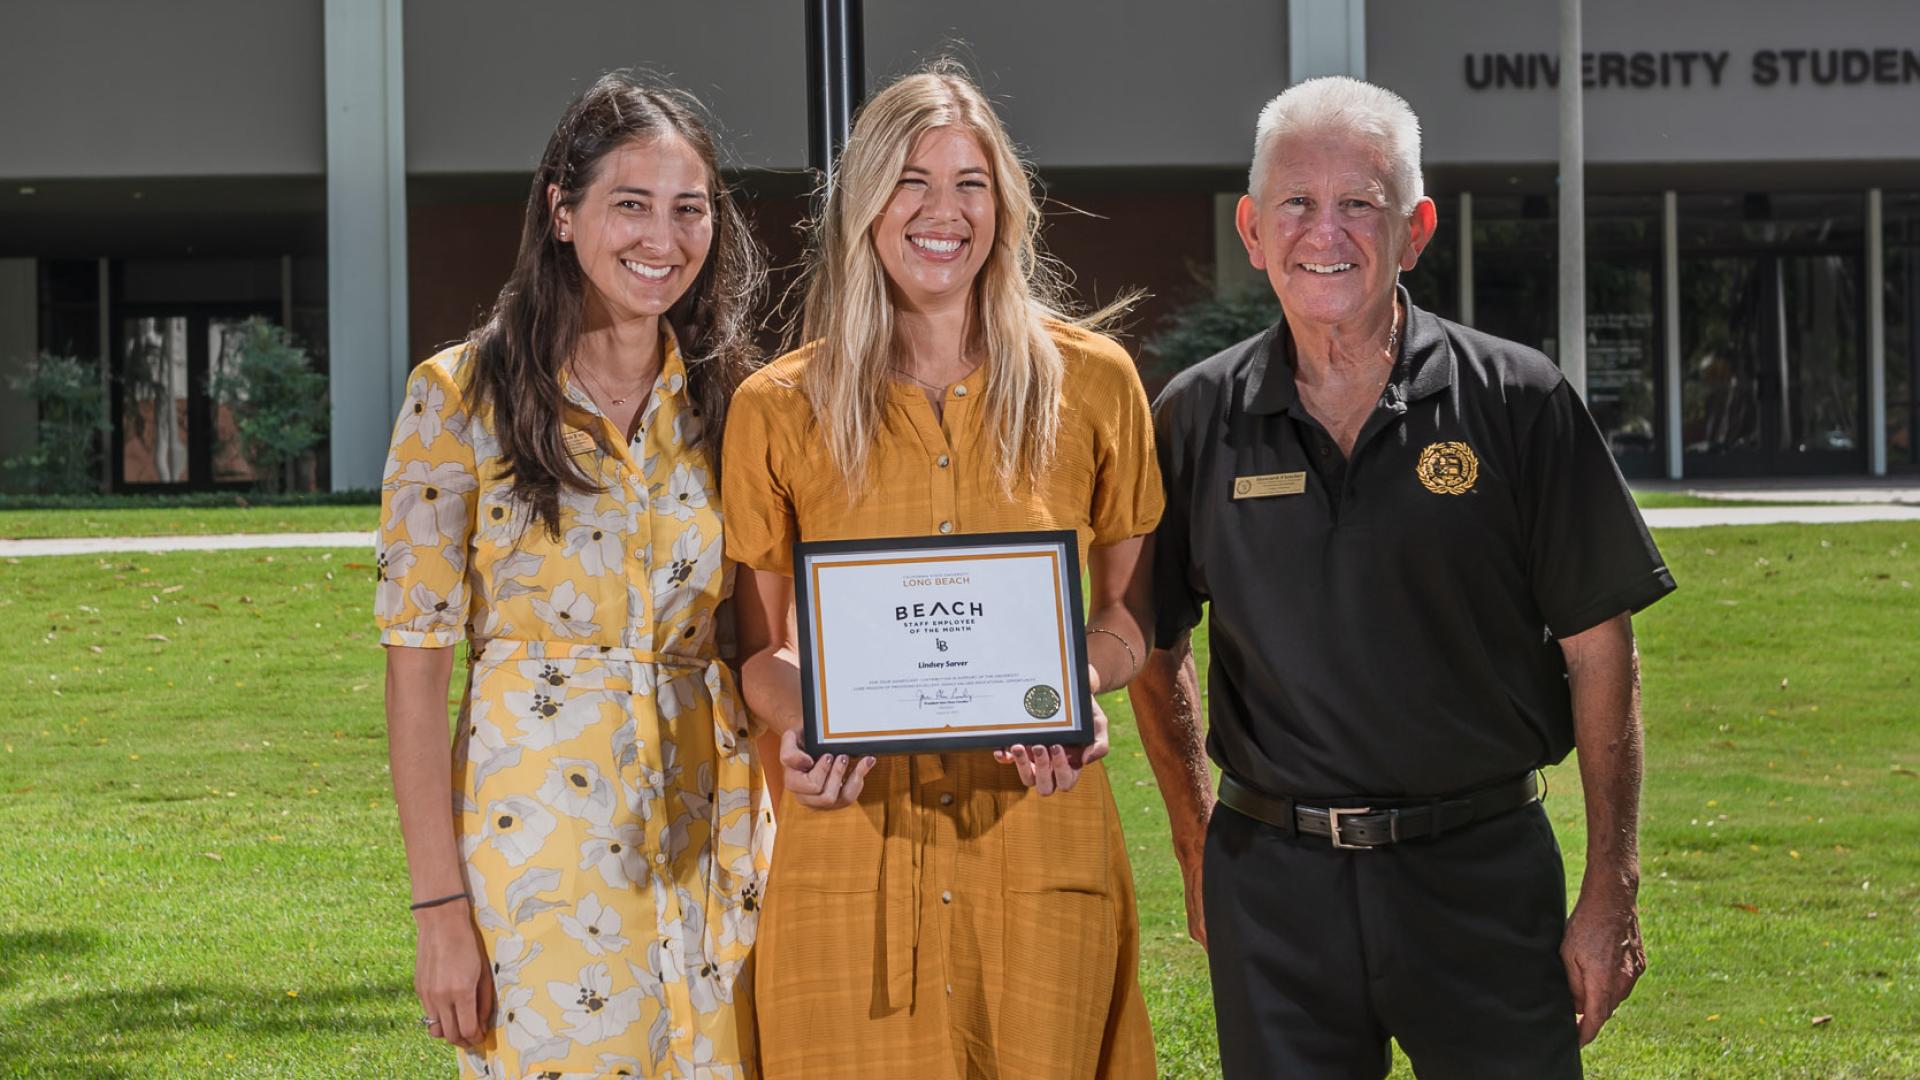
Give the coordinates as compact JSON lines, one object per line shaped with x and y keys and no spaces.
{"x":1448,"y":468}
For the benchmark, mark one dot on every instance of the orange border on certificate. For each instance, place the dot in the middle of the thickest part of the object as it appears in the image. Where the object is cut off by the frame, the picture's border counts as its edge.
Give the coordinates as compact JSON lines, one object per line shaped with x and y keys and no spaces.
{"x":1052,"y":555}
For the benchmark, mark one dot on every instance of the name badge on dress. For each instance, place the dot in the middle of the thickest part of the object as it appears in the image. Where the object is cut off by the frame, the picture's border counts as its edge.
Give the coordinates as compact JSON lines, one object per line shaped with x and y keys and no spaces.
{"x":1271,"y":484}
{"x":577,"y":442}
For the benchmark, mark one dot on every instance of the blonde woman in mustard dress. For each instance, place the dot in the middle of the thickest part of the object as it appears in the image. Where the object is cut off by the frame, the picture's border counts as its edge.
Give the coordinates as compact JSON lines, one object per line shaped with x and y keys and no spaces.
{"x":586,"y":902}
{"x":954,"y":916}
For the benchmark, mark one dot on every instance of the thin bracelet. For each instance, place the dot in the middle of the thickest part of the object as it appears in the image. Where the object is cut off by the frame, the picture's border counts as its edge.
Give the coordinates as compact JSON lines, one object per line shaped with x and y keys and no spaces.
{"x":1133,"y":659}
{"x":437,"y":901}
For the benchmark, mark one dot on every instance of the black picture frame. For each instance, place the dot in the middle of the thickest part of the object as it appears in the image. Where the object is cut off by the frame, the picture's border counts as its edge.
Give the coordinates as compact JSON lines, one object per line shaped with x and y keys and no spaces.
{"x":1080,"y":695}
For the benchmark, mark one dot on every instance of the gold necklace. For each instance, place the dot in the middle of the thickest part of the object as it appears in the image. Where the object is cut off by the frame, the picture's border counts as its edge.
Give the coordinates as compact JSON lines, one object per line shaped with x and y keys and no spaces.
{"x":934,"y":386}
{"x":596,"y":384}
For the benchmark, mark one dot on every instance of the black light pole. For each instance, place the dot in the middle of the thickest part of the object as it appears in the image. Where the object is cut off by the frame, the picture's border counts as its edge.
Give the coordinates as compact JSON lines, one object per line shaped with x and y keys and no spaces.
{"x":836,"y":77}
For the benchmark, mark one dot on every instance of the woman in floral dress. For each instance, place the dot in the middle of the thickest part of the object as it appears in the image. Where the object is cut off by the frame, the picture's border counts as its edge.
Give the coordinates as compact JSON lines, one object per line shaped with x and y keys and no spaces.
{"x":586,"y":904}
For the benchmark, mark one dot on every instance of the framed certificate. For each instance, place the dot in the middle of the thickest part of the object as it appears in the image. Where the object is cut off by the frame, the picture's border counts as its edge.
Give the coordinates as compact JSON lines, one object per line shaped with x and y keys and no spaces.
{"x":941,"y":643}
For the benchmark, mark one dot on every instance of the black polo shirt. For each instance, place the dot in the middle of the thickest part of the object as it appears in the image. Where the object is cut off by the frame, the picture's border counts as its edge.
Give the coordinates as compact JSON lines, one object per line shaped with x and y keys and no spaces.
{"x":1389,"y":630}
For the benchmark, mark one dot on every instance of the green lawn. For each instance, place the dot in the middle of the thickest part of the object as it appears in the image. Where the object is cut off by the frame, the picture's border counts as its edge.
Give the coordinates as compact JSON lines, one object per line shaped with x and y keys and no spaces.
{"x":201,"y":875}
{"x":186,"y":521}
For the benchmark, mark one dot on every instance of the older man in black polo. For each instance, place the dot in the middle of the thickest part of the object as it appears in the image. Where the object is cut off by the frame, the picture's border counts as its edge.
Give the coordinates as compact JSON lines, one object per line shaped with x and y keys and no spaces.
{"x":1421,"y":563}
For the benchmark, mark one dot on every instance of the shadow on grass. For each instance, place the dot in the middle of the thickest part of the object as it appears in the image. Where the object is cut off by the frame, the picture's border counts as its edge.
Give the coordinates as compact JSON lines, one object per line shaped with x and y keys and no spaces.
{"x":116,"y":1034}
{"x":19,"y":948}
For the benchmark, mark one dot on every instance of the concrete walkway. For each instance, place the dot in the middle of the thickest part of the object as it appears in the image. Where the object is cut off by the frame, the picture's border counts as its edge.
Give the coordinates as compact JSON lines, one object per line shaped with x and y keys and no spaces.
{"x":1670,"y":518}
{"x":1901,"y":490}
{"x":103,"y":545}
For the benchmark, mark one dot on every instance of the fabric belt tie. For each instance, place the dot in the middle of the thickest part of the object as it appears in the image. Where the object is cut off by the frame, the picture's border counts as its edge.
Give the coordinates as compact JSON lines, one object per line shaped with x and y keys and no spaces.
{"x":902,"y":862}
{"x":740,"y":858}
{"x":1379,"y":822}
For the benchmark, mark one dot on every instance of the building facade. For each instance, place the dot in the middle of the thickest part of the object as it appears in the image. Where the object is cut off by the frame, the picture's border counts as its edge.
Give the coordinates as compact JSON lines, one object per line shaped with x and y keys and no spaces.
{"x":356,"y":170}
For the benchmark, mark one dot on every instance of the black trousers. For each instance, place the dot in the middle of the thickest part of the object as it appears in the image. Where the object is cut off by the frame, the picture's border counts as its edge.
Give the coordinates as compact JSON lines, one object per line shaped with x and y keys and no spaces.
{"x":1450,"y":946}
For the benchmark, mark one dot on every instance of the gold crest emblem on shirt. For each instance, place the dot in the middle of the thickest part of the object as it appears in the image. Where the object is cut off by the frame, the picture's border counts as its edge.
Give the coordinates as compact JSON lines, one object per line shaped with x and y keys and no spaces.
{"x":1448,"y":468}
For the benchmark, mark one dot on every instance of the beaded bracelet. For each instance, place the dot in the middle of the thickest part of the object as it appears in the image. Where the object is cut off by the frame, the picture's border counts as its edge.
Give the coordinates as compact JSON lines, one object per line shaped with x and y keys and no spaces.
{"x":1133,"y":658}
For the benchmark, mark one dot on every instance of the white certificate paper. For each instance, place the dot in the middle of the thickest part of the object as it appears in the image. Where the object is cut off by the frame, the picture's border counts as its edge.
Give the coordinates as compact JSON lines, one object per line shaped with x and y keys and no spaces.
{"x":944,"y":643}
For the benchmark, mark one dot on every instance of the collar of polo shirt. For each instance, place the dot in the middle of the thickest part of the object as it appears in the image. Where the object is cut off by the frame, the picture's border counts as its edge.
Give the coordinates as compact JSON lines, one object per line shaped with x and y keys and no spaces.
{"x":1425,"y":367}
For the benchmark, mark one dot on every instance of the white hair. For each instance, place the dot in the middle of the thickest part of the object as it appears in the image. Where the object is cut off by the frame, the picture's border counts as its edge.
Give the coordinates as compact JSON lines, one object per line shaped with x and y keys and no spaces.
{"x":1337,"y":105}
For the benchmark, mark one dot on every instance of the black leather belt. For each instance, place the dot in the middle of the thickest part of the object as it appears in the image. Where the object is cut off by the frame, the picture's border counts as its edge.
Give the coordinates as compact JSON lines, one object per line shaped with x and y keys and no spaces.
{"x":1362,"y":827}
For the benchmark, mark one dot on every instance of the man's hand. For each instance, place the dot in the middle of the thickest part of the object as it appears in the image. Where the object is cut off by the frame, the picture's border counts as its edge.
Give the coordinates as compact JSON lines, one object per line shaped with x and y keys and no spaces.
{"x":1604,"y":958}
{"x":827,"y":784}
{"x":1196,"y":912}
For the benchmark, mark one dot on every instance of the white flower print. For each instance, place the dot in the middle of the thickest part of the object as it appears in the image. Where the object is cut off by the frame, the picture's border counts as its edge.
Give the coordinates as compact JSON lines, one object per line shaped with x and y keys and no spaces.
{"x":564,"y":674}
{"x":426,"y":498}
{"x":618,"y":1065}
{"x":510,"y":572}
{"x":618,"y":852}
{"x":653,"y":783}
{"x":487,"y":746}
{"x":566,"y":611}
{"x":548,"y":716}
{"x":438,"y":610}
{"x":592,"y":1011}
{"x":700,"y":1065}
{"x":503,"y":519}
{"x":686,"y":492}
{"x":511,"y":953}
{"x":527,"y":1031}
{"x":683,"y":579}
{"x":392,"y":564}
{"x":679,"y":691}
{"x":517,"y":827}
{"x":484,"y":913}
{"x":598,"y":542}
{"x":575,"y":787}
{"x":523,"y":893}
{"x":687,"y":427}
{"x":594,"y":925}
{"x":420,"y":416}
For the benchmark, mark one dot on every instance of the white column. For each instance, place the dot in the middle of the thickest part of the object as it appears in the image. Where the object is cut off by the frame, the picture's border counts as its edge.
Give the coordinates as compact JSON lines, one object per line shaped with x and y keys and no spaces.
{"x":1573,"y":205}
{"x":366,"y":233}
{"x":1876,"y":336}
{"x":1326,"y":37}
{"x":1466,"y":258}
{"x":1670,"y":319}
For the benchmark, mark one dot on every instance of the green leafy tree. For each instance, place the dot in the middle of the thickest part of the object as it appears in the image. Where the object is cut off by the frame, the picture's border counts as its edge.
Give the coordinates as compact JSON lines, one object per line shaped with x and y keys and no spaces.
{"x":279,"y":402}
{"x":72,"y":409}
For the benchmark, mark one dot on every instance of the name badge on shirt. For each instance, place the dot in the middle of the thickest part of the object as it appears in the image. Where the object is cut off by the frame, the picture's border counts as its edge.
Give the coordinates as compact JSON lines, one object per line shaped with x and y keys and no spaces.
{"x":1269,"y":485}
{"x":577,"y":442}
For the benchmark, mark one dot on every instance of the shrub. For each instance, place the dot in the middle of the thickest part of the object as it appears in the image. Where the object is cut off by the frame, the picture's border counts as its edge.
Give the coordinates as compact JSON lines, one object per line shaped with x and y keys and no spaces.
{"x":279,"y":402}
{"x":72,"y":407}
{"x":1199,"y":329}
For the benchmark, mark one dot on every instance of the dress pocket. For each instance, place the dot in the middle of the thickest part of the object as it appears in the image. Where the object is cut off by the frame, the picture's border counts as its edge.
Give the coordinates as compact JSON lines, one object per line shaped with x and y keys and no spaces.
{"x":1060,"y":842}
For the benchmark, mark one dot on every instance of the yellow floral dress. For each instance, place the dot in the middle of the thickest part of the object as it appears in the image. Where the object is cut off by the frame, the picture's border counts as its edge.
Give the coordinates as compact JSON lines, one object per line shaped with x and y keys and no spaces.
{"x":607,"y":803}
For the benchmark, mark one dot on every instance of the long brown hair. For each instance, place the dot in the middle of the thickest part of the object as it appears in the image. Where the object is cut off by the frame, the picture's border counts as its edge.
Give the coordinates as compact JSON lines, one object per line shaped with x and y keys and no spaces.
{"x":536,"y":323}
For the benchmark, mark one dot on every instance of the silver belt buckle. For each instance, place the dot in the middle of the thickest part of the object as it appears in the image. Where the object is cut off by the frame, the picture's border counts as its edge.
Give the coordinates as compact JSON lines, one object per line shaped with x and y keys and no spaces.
{"x":1334,"y":816}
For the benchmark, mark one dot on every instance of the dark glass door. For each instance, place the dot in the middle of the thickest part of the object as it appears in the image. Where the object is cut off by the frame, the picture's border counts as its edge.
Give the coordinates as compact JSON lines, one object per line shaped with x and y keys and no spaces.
{"x":1773,"y":377}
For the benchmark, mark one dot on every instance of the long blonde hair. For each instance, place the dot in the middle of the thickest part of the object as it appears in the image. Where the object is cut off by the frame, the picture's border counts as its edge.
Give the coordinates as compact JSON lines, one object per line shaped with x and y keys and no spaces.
{"x":848,"y":313}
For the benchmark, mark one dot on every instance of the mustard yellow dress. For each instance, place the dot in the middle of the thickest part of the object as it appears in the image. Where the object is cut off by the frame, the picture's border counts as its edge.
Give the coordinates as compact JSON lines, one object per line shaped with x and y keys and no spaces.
{"x":607,"y":802}
{"x":952,"y":924}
